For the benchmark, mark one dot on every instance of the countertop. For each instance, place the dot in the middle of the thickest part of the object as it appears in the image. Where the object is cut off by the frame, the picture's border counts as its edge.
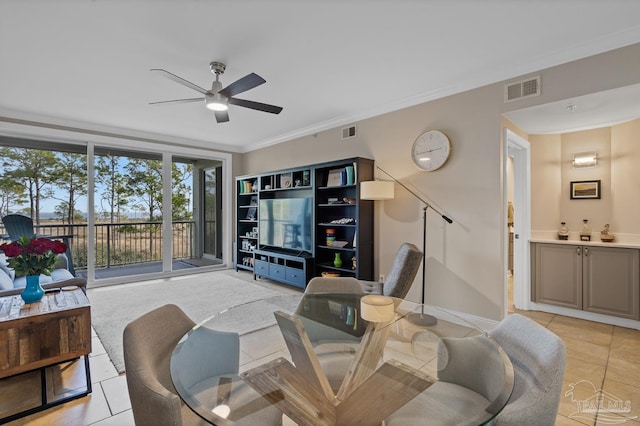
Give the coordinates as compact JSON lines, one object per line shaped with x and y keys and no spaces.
{"x":620,"y":241}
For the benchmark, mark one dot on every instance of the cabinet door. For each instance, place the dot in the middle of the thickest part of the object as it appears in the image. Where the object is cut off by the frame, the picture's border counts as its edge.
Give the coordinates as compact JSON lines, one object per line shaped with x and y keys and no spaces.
{"x":557,"y":275}
{"x":611,"y":281}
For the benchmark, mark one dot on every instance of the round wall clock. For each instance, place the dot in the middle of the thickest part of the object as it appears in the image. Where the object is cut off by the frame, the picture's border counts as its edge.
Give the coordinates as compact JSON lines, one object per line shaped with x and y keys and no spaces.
{"x":431,"y":150}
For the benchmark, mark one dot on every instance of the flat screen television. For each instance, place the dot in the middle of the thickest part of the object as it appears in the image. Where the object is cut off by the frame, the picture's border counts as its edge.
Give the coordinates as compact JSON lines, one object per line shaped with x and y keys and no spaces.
{"x":286,"y":223}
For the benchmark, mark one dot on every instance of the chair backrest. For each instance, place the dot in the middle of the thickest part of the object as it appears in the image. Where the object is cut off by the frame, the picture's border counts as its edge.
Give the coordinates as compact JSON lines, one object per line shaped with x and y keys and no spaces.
{"x":403,"y":270}
{"x":333,"y":285}
{"x":539,"y":360}
{"x":148,"y":343}
{"x":18,"y":226}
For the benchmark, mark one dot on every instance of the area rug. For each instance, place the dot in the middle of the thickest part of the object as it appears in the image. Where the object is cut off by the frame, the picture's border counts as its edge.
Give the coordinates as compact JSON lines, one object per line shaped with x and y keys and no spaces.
{"x":200,"y":296}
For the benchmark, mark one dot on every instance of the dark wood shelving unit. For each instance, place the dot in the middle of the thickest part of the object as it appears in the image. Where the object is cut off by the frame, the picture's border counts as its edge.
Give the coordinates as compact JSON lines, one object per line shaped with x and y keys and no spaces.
{"x":334,"y":188}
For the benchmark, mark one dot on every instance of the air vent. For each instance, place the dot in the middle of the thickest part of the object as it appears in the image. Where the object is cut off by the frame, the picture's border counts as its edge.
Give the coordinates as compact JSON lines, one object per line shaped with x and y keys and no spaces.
{"x":522,"y":89}
{"x":349,"y":132}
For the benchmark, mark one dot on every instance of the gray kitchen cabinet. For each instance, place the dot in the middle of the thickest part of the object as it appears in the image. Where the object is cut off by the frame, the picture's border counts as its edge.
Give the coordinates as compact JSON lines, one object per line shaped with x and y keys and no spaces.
{"x":611,"y":281}
{"x":557,"y":275}
{"x":605,"y":280}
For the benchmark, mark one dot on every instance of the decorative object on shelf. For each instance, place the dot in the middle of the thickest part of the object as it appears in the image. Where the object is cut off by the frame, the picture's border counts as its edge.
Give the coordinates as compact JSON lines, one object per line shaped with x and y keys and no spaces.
{"x":354,"y":265}
{"x":251,"y":213}
{"x":31,"y":257}
{"x":339,"y":244}
{"x":431,"y":150}
{"x":349,"y":200}
{"x":286,"y":180}
{"x":298,"y":182}
{"x":606,"y":236}
{"x":371,"y":190}
{"x":306,"y":178}
{"x":563,"y":233}
{"x":337,"y":261}
{"x":331,"y":236}
{"x":330,"y":274}
{"x":344,"y":221}
{"x":585,"y":233}
{"x":585,"y":190}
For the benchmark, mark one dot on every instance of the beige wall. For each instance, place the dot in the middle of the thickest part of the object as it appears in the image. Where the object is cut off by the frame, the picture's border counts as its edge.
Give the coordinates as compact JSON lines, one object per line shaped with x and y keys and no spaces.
{"x":466,"y":260}
{"x":546,"y":181}
{"x":625,"y":178}
{"x":617,"y":169}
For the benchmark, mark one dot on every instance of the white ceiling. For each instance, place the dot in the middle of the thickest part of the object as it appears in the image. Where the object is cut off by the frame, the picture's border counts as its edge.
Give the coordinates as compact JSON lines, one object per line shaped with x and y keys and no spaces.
{"x":327,"y":62}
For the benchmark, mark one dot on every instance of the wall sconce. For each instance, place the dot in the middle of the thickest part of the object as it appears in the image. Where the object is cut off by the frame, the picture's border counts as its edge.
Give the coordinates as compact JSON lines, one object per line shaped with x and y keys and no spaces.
{"x":585,"y":159}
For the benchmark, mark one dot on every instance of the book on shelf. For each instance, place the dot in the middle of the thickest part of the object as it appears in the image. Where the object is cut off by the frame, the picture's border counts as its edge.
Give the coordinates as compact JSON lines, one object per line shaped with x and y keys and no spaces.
{"x":350,"y":176}
{"x":335,"y":177}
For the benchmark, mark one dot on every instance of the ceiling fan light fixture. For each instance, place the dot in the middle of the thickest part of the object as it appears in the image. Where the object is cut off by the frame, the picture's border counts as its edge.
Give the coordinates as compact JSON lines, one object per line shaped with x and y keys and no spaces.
{"x":217,"y":102}
{"x":217,"y":106}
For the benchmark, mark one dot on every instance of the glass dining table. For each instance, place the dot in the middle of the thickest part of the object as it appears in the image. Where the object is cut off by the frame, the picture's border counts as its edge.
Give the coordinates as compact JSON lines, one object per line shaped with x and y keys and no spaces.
{"x":335,"y":359}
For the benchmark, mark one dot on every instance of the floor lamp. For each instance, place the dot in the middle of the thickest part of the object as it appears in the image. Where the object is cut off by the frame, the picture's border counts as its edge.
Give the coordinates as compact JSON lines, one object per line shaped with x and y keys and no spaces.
{"x":384,"y":190}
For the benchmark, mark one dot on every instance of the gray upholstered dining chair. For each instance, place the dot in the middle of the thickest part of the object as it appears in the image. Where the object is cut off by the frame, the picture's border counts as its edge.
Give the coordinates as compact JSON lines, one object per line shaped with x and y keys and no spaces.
{"x":333,"y":285}
{"x":538,"y":357}
{"x":148,"y":343}
{"x":400,"y":277}
{"x":539,"y":360}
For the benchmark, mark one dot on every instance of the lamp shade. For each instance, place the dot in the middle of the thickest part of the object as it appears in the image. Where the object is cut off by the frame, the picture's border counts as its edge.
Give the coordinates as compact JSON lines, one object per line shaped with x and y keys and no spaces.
{"x":375,"y":308}
{"x":376,"y":190}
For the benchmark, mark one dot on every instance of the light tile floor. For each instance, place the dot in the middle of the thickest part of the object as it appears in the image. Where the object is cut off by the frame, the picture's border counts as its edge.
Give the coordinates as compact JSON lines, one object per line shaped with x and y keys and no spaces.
{"x":602,"y":361}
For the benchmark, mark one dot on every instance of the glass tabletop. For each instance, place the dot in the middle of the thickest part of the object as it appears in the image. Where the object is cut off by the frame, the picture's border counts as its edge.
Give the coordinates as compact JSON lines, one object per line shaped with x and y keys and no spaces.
{"x":335,"y":359}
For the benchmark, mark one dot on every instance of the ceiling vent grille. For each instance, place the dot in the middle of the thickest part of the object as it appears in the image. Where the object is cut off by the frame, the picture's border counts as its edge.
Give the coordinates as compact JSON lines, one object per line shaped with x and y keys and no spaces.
{"x":349,"y":132}
{"x":522,"y":89}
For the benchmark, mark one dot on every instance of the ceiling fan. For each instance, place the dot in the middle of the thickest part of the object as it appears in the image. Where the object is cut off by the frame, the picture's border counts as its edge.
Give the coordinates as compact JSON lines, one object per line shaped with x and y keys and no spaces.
{"x":218,"y":99}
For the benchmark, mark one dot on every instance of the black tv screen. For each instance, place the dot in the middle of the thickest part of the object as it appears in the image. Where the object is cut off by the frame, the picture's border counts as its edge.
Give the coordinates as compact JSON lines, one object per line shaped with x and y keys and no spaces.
{"x":286,"y":223}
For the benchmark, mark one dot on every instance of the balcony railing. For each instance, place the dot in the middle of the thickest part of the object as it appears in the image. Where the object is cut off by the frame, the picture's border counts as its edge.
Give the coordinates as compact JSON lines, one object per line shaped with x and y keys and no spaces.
{"x":124,"y":243}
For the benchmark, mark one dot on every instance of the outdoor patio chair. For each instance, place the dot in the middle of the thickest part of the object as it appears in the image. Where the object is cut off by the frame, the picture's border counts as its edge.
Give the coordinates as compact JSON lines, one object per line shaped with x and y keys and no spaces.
{"x":18,"y":226}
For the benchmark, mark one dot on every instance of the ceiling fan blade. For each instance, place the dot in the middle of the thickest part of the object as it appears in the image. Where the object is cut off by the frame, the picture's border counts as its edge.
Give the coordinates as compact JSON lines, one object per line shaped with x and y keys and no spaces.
{"x":180,"y":80}
{"x":255,"y":105}
{"x":221,"y":116}
{"x":247,"y":82}
{"x":177,"y":101}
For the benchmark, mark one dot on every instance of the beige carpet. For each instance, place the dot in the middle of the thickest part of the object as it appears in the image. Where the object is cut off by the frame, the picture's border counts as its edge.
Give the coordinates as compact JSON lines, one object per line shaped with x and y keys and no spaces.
{"x":199,"y":295}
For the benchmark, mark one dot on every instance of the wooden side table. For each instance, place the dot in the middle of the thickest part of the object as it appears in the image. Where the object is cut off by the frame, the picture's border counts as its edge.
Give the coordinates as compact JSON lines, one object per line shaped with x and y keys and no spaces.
{"x":38,"y":335}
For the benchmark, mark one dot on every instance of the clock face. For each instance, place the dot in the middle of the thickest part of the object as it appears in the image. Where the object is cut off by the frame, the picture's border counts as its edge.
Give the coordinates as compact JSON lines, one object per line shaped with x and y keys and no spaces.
{"x":431,"y":150}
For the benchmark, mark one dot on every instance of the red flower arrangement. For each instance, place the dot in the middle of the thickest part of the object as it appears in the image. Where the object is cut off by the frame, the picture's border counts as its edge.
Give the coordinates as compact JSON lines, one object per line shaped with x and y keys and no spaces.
{"x":33,"y":256}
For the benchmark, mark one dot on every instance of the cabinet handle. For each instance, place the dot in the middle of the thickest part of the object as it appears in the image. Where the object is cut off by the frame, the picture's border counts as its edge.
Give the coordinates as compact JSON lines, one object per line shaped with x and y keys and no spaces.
{"x":578,"y":251}
{"x":586,"y":251}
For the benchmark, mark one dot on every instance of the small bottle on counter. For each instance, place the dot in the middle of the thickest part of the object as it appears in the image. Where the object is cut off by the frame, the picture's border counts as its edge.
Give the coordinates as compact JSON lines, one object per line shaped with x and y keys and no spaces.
{"x":585,"y":233}
{"x":563,"y":233}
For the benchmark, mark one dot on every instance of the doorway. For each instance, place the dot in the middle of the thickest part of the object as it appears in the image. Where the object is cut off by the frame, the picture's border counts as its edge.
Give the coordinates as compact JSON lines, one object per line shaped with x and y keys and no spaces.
{"x":517,"y":176}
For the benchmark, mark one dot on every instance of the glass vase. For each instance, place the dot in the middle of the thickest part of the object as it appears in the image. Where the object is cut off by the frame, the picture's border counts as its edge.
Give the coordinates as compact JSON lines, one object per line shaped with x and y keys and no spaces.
{"x":337,"y":261}
{"x":32,"y":292}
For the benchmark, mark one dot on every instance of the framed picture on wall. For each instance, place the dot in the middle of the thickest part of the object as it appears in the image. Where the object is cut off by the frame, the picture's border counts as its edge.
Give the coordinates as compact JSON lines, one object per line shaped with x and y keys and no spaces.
{"x":585,"y":190}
